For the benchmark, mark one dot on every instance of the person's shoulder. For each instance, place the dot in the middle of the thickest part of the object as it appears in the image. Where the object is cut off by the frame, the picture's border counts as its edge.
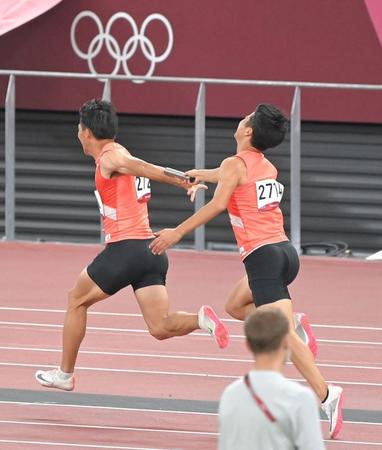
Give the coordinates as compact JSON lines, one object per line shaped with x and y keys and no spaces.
{"x":111,"y":148}
{"x":119,"y":147}
{"x":231,"y":168}
{"x":112,"y":156}
{"x":231,"y":161}
{"x":233,"y":388}
{"x":235,"y":384}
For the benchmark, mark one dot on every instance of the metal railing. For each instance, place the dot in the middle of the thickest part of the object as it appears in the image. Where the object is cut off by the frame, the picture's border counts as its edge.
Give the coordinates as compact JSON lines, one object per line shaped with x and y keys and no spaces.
{"x":200,"y":127}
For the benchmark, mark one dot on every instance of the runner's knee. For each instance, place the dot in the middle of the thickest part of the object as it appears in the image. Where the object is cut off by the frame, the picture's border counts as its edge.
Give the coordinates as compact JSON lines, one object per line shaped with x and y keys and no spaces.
{"x":160,"y":329}
{"x":235,"y":310}
{"x":231,"y":308}
{"x":158,"y":332}
{"x":74,"y":301}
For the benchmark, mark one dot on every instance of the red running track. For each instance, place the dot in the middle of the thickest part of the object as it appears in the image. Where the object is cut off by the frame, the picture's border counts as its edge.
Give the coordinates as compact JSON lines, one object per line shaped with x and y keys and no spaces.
{"x":118,"y":356}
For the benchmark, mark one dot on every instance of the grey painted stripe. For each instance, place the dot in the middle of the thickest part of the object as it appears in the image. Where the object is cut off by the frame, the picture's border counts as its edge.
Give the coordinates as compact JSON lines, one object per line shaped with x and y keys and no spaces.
{"x":158,"y":404}
{"x":113,"y":401}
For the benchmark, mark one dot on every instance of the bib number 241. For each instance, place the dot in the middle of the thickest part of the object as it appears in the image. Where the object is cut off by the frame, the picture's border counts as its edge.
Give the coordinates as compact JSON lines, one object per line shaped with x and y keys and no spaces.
{"x":269,"y":194}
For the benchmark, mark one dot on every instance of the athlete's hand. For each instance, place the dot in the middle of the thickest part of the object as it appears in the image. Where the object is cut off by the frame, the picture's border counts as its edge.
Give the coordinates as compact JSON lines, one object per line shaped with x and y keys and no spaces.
{"x":204,"y":175}
{"x":164,"y":239}
{"x":196,"y":174}
{"x":191,"y":192}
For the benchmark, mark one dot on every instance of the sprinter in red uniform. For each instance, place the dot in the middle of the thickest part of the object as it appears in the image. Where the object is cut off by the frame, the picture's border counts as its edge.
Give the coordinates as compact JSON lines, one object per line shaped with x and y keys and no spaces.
{"x":247,"y":187}
{"x":122,"y":192}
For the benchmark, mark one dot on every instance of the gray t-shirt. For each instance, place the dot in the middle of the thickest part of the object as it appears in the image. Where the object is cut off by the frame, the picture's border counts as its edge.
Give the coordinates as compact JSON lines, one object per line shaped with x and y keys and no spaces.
{"x":244,"y":426}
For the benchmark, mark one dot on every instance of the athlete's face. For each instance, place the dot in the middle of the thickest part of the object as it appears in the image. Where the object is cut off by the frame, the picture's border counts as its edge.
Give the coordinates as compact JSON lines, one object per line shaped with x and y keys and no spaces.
{"x":243,"y":130}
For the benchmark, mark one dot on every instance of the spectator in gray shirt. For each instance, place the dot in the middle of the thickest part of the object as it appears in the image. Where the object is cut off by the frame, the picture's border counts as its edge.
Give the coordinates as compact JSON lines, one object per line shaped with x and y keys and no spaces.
{"x":264,"y":410}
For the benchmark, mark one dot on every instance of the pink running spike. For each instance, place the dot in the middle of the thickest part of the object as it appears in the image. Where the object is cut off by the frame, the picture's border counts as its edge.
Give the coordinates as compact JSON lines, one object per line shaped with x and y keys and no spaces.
{"x":312,"y":344}
{"x":339,"y":421}
{"x":220,"y":332}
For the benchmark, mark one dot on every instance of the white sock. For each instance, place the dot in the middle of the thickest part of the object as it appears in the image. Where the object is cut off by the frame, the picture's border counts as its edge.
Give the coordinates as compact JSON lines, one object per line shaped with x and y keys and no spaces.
{"x":200,"y":319}
{"x":205,"y":323}
{"x":64,"y":375}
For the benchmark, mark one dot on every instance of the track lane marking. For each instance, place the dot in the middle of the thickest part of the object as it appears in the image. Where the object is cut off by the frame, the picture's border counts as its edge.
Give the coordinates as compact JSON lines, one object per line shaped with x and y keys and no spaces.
{"x":138,"y":330}
{"x":101,"y":313}
{"x":181,"y":357}
{"x":145,"y":410}
{"x":107,"y":427}
{"x":112,"y":408}
{"x":177,"y":374}
{"x":67,"y":444}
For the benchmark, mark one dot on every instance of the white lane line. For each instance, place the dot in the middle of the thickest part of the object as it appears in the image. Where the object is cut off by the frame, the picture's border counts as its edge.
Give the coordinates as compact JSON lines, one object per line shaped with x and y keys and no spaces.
{"x":62,"y":311}
{"x":181,"y":374}
{"x":111,"y":408}
{"x":54,"y":325}
{"x":134,"y":355}
{"x":135,"y":330}
{"x":150,"y":430}
{"x":100,"y":313}
{"x":155,"y":411}
{"x":181,"y":357}
{"x":342,"y":341}
{"x":359,"y":423}
{"x":89,"y":328}
{"x":347,"y":327}
{"x":148,"y":372}
{"x":63,"y":444}
{"x":335,"y":441}
{"x":67,"y":444}
{"x":106,"y":427}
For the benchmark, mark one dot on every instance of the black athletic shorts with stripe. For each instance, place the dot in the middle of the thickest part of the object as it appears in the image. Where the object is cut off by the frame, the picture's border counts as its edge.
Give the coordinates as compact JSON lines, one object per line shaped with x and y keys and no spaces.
{"x":270,"y":269}
{"x":128,"y":262}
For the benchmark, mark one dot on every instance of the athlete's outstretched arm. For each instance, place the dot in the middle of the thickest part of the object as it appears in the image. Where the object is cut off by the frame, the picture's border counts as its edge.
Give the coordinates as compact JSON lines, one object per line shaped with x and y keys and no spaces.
{"x":121,"y":162}
{"x":229,"y":178}
{"x":205,"y":175}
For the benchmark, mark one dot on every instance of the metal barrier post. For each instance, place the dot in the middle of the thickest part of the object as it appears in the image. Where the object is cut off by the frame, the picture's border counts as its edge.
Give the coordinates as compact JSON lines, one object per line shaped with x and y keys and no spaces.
{"x":295,"y":171}
{"x":106,"y":95}
{"x":200,"y":158}
{"x":10,"y":159}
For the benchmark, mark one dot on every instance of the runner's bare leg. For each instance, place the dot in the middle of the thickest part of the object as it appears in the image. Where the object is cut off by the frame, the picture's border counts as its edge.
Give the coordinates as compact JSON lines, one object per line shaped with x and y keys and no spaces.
{"x":84,"y":294}
{"x":154,"y":304}
{"x":301,"y":356}
{"x":240,"y":301}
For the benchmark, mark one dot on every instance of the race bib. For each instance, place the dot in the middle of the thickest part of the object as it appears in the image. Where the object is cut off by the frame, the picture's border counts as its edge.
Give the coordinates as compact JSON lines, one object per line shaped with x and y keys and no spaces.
{"x":269,"y":194}
{"x":143,"y":188}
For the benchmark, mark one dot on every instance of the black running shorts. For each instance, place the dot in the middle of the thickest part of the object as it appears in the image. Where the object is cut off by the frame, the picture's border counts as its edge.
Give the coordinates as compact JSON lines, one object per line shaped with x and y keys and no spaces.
{"x":270,"y":269}
{"x":128,"y":262}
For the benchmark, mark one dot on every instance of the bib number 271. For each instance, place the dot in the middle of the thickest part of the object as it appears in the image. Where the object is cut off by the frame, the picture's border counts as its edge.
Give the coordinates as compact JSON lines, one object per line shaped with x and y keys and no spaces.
{"x":269,"y":194}
{"x":143,"y":189}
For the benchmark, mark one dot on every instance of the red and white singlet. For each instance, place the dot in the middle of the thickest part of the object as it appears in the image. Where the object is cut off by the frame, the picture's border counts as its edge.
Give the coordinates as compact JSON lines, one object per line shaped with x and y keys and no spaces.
{"x":122,"y":202}
{"x":253,"y":208}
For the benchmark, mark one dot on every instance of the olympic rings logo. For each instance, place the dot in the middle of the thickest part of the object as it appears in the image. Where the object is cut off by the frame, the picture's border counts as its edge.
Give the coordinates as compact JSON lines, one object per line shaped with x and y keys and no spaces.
{"x":122,"y":55}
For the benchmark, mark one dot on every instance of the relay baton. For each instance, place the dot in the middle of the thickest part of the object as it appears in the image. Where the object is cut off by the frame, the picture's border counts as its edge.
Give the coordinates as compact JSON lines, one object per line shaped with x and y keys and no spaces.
{"x":178,"y":174}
